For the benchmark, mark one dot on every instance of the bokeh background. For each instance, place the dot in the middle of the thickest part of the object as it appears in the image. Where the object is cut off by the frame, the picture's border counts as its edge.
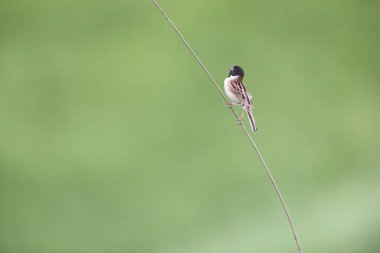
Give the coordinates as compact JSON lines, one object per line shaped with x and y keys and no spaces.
{"x":112,"y":139}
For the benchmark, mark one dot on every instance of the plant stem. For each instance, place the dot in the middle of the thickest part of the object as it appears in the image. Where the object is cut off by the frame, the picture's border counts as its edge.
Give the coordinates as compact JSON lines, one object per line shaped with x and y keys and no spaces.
{"x":243,"y":127}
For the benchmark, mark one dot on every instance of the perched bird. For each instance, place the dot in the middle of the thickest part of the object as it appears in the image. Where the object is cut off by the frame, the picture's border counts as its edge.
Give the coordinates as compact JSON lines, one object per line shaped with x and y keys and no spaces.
{"x":237,"y":93}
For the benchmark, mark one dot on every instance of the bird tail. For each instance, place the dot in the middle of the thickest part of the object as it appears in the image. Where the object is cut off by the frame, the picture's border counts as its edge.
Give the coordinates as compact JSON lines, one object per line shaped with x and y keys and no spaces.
{"x":252,"y":121}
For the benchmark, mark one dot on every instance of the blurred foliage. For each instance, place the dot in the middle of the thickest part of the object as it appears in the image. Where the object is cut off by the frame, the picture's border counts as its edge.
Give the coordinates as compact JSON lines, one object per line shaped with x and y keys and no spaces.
{"x":113,"y":140}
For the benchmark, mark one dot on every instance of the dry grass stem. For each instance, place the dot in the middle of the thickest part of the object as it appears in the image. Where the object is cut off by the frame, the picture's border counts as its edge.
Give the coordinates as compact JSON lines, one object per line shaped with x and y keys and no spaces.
{"x":242,"y":126}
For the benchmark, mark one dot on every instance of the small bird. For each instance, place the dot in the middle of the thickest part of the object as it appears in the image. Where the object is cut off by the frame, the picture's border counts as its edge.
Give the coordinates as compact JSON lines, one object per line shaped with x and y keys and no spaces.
{"x":236,"y":91}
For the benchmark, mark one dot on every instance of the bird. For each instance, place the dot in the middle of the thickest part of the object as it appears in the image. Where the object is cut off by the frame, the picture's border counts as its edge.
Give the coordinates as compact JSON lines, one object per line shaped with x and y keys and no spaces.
{"x":237,"y":93}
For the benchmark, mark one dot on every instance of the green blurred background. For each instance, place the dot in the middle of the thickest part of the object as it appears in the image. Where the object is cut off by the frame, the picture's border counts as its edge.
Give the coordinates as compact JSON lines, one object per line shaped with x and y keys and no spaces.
{"x":112,"y":139}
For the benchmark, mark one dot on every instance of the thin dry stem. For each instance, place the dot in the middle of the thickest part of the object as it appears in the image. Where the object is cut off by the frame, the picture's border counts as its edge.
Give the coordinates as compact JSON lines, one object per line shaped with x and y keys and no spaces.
{"x":243,"y":127}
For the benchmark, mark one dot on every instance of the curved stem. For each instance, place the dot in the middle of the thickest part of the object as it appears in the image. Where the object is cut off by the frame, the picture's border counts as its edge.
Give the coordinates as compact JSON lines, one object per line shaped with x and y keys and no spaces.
{"x":243,"y":127}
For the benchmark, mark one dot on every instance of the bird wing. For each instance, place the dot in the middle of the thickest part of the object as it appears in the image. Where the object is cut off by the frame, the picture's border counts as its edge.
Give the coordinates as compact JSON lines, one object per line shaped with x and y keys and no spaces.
{"x":241,"y":93}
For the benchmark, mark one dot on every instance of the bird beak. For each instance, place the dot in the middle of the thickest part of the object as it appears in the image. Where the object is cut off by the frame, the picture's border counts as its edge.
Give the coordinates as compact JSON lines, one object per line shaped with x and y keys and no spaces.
{"x":229,"y":69}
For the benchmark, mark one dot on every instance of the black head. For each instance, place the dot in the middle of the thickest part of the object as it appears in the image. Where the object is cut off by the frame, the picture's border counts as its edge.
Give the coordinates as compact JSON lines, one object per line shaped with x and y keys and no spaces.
{"x":236,"y":71}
